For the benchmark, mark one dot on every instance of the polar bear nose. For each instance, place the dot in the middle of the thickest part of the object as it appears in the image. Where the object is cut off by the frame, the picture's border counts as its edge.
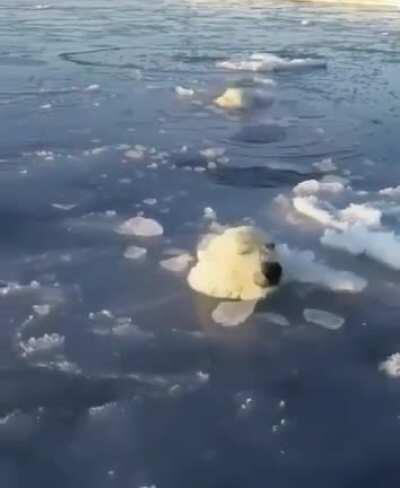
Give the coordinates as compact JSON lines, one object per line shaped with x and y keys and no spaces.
{"x":273,"y":272}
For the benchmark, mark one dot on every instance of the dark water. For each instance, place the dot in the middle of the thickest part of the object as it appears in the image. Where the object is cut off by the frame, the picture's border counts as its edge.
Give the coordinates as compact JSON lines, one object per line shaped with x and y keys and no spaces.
{"x":113,"y":373}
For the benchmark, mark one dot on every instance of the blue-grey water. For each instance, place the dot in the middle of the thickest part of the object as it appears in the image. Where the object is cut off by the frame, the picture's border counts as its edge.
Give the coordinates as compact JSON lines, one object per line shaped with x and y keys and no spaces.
{"x":112,"y":371}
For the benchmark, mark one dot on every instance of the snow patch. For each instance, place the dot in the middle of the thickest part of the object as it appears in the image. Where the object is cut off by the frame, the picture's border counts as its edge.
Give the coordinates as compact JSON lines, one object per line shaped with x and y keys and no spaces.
{"x":391,"y":366}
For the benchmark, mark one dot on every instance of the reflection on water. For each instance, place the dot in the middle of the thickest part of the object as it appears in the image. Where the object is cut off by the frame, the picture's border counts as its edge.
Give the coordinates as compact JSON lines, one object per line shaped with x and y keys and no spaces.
{"x":113,"y":372}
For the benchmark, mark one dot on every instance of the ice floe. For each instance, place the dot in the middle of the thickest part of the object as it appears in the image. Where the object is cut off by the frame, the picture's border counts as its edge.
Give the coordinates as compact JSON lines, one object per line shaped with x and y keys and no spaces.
{"x":177,"y":264}
{"x":323,"y":318}
{"x":232,"y":314}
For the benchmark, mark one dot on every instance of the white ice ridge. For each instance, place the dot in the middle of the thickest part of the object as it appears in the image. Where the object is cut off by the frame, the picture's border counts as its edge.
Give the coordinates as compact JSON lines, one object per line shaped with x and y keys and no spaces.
{"x":325,"y":319}
{"x":141,"y":227}
{"x":303,"y":267}
{"x":270,"y":62}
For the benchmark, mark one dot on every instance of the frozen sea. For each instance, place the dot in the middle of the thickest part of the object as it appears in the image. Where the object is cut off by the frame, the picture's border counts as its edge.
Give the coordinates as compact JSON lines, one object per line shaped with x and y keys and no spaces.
{"x":113,"y":372}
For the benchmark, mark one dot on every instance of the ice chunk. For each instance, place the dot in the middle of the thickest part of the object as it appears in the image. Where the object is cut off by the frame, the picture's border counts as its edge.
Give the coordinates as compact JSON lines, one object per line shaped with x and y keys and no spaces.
{"x":209,"y":213}
{"x":393,"y":192}
{"x":46,"y":343}
{"x":184,"y":92}
{"x":391,"y":365}
{"x":41,"y":310}
{"x":325,"y":319}
{"x":309,"y":187}
{"x":93,"y":87}
{"x":325,"y":166}
{"x":270,"y":62}
{"x":135,"y":154}
{"x":177,"y":264}
{"x":312,"y":207}
{"x":382,"y":246}
{"x":150,"y":201}
{"x":141,"y":226}
{"x":303,"y":267}
{"x":64,"y":206}
{"x":232,"y":98}
{"x":232,"y":314}
{"x":276,"y":318}
{"x":135,"y":252}
{"x":212,"y":153}
{"x":264,"y":81}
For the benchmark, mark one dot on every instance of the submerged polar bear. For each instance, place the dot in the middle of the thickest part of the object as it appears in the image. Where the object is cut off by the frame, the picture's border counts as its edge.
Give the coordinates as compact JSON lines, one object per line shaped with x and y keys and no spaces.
{"x":238,"y":264}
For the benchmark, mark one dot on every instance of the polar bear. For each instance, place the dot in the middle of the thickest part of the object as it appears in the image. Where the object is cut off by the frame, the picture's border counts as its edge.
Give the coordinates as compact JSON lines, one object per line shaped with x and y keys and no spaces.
{"x":232,"y":98}
{"x":238,"y":264}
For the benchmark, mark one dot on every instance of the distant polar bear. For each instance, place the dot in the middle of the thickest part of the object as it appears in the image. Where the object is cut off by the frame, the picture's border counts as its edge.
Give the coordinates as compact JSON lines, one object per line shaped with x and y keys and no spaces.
{"x":238,"y":264}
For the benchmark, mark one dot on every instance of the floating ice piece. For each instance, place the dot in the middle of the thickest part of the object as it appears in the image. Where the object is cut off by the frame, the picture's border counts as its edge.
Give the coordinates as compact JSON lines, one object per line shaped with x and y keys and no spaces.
{"x":382,"y":246}
{"x":184,"y":92}
{"x":46,"y":106}
{"x":325,"y":166}
{"x":42,"y":310}
{"x":177,"y":264}
{"x":141,"y":226}
{"x":393,"y":192}
{"x":325,"y":319}
{"x":135,"y":252}
{"x":264,"y":81}
{"x":303,"y":267}
{"x":132,"y":331}
{"x":276,"y":318}
{"x":99,"y":150}
{"x":270,"y":62}
{"x":212,"y":153}
{"x":93,"y":87}
{"x":46,"y":343}
{"x":310,"y":187}
{"x":150,"y":201}
{"x":312,"y":207}
{"x":64,"y":206}
{"x":232,"y":98}
{"x":391,"y":365}
{"x":209,"y":213}
{"x":232,"y":314}
{"x":135,"y":154}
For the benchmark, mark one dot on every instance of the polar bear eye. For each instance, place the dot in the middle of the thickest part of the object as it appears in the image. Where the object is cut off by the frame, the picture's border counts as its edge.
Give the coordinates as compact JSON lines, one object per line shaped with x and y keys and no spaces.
{"x":270,"y":246}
